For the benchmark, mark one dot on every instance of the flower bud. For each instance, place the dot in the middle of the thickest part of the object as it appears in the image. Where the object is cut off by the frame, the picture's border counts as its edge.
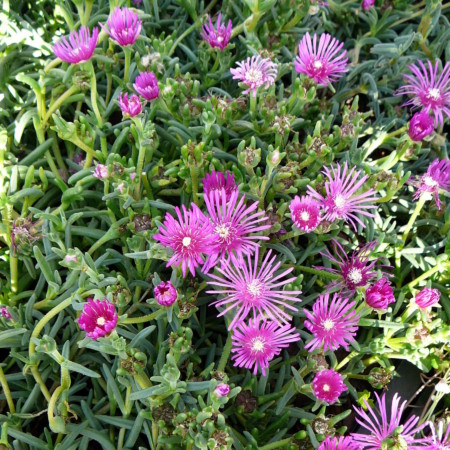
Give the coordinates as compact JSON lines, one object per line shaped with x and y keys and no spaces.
{"x":380,"y":295}
{"x":420,"y":126}
{"x":222,"y":390}
{"x":427,"y":297}
{"x":101,"y":171}
{"x":165,"y":293}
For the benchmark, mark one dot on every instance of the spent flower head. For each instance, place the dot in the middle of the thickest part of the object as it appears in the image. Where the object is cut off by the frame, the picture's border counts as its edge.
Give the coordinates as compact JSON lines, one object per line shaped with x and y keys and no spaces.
{"x":217,"y":36}
{"x":100,"y":171}
{"x":328,"y":385}
{"x":124,"y":26}
{"x":79,"y":48}
{"x":5,"y":313}
{"x":98,"y":318}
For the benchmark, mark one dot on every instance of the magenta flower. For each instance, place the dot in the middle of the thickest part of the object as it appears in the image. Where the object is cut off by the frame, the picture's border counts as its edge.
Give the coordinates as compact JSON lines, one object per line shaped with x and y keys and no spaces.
{"x":124,"y":26}
{"x":137,"y":2}
{"x":439,"y":440}
{"x":218,"y":36}
{"x":255,"y":72}
{"x":340,"y":201}
{"x":328,"y":385}
{"x":79,"y":48}
{"x":100,"y":171}
{"x":332,"y":325}
{"x":430,"y":90}
{"x":383,"y":426}
{"x":234,"y":225}
{"x":98,"y":318}
{"x":380,"y":294}
{"x":191,"y":236}
{"x":427,"y":297}
{"x":323,"y":62}
{"x":255,"y":344}
{"x":146,"y":85}
{"x":367,"y":4}
{"x":5,"y":313}
{"x":305,"y":213}
{"x":216,"y":181}
{"x":165,"y":293}
{"x":341,"y":443}
{"x":222,"y":390}
{"x":420,"y":126}
{"x":248,"y":289}
{"x":130,"y":107}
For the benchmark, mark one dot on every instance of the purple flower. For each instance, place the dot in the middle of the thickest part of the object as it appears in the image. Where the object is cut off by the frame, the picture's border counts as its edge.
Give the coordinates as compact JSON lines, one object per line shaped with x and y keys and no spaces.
{"x":100,"y":171}
{"x":332,"y":325}
{"x":341,"y":443}
{"x":420,"y":126}
{"x":305,"y":213}
{"x":248,"y":289}
{"x":124,"y":26}
{"x":234,"y":225}
{"x":222,"y":390}
{"x":130,"y":106}
{"x":146,"y":85}
{"x":191,"y":236}
{"x":217,"y":37}
{"x":328,"y":385}
{"x":383,"y":428}
{"x":137,"y":2}
{"x":321,"y":61}
{"x":427,"y":297}
{"x":255,"y":344}
{"x":165,"y":293}
{"x":380,"y":294}
{"x":439,"y":440}
{"x":80,"y":47}
{"x":340,"y":201}
{"x":367,"y":4}
{"x":5,"y":313}
{"x":430,"y":90}
{"x":98,"y":318}
{"x":255,"y":72}
{"x":216,"y":181}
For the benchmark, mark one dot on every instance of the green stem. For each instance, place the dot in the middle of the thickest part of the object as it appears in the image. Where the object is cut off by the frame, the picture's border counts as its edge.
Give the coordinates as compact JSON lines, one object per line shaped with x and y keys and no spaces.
{"x":412,"y":219}
{"x":126,"y":73}
{"x":14,"y":273}
{"x":194,"y":179}
{"x":252,"y":103}
{"x":98,"y":116}
{"x":278,"y":444}
{"x":225,"y":354}
{"x":58,"y":102}
{"x":7,"y":392}
{"x":146,"y":318}
{"x":428,"y":274}
{"x":51,"y":408}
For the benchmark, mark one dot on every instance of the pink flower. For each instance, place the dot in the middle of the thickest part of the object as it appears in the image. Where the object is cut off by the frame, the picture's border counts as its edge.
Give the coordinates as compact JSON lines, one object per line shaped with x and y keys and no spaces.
{"x":420,"y":126}
{"x":219,"y":36}
{"x":146,"y":85}
{"x":255,"y":72}
{"x":305,"y":213}
{"x":380,"y":294}
{"x":367,"y":4}
{"x":70,"y":258}
{"x":341,"y":443}
{"x":100,"y":171}
{"x":439,"y":440}
{"x":222,"y":390}
{"x":427,"y":297}
{"x":430,"y":90}
{"x":98,"y":318}
{"x":165,"y":293}
{"x":332,"y":325}
{"x":381,"y":427}
{"x":328,"y":385}
{"x":130,"y":106}
{"x":137,"y":2}
{"x":234,"y":225}
{"x":249,"y":290}
{"x":79,"y":48}
{"x":341,"y":201}
{"x":321,"y":61}
{"x":216,"y":181}
{"x":255,"y":344}
{"x":191,"y":236}
{"x":5,"y":313}
{"x":124,"y":26}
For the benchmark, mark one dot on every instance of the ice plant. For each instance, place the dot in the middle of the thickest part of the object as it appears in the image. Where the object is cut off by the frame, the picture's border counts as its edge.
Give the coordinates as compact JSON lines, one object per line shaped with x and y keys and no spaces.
{"x":328,"y":385}
{"x":385,"y":428}
{"x":190,"y":236}
{"x":341,"y":200}
{"x":235,"y":225}
{"x":333,"y":325}
{"x":420,"y":126}
{"x":216,"y":181}
{"x":427,"y":297}
{"x":305,"y":213}
{"x":98,"y":318}
{"x":380,"y":294}
{"x":130,"y":107}
{"x":124,"y":26}
{"x":100,"y":171}
{"x":429,"y":89}
{"x":255,"y":72}
{"x":249,"y":289}
{"x":222,"y":390}
{"x":340,"y":443}
{"x":439,"y":439}
{"x":367,"y":4}
{"x":79,"y":48}
{"x":5,"y":313}
{"x":165,"y":293}
{"x":218,"y":36}
{"x":322,"y":61}
{"x":255,"y":344}
{"x":146,"y":85}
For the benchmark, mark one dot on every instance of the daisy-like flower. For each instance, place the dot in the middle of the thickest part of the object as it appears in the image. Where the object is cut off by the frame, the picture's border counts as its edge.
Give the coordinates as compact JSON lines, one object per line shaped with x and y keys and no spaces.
{"x":322,"y":61}
{"x":386,"y":430}
{"x":248,"y":289}
{"x":100,"y":171}
{"x":367,"y":4}
{"x":328,"y":385}
{"x":216,"y":181}
{"x":124,"y":26}
{"x":130,"y":107}
{"x":79,"y":48}
{"x":380,"y":294}
{"x":146,"y":85}
{"x":255,"y":72}
{"x":190,"y":235}
{"x":333,"y":325}
{"x":218,"y":36}
{"x":341,"y":443}
{"x":165,"y":293}
{"x":427,"y":297}
{"x":429,"y":89}
{"x":305,"y":213}
{"x":98,"y":318}
{"x":439,"y":439}
{"x":420,"y":126}
{"x":437,"y":176}
{"x":234,"y":224}
{"x":341,"y":200}
{"x":255,"y":344}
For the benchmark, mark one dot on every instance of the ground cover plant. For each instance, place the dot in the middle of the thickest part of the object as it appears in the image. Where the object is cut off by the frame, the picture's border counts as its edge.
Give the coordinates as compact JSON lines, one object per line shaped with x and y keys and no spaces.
{"x":224,"y":224}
